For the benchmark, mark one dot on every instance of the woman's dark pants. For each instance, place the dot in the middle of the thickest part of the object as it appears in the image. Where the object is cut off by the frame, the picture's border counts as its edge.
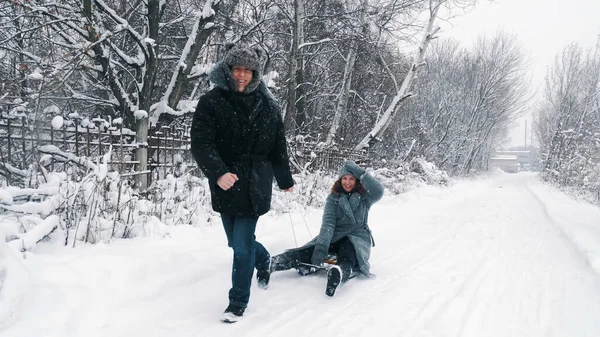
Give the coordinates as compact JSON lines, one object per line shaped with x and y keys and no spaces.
{"x":343,"y":249}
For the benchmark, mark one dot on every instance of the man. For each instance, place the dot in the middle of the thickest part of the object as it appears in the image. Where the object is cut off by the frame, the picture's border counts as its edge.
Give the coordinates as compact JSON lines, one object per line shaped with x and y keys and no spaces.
{"x":239,"y":144}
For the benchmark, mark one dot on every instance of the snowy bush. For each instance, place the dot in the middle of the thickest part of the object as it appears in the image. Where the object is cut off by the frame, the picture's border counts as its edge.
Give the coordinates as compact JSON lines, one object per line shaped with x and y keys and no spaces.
{"x":180,"y":200}
{"x":87,"y":203}
{"x":428,"y":172}
{"x":400,"y":177}
{"x":311,"y":190}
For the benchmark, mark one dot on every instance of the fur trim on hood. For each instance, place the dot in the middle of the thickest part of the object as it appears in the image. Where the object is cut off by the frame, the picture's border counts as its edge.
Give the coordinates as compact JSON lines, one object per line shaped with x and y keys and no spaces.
{"x":254,"y":58}
{"x":220,"y":76}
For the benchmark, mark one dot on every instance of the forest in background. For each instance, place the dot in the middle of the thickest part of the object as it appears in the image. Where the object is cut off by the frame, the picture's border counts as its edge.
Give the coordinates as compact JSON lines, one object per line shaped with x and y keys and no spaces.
{"x":353,"y":75}
{"x":337,"y":68}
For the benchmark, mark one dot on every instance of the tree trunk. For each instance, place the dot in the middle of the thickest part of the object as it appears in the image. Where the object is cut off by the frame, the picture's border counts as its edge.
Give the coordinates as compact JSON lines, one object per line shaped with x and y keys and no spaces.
{"x":292,"y":96}
{"x":300,"y":97}
{"x":141,"y":153}
{"x":342,"y":103}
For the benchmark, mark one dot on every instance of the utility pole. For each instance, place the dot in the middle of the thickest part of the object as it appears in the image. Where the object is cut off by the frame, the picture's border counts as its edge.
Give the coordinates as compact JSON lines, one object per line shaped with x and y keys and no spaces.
{"x":525,"y":134}
{"x":531,"y":138}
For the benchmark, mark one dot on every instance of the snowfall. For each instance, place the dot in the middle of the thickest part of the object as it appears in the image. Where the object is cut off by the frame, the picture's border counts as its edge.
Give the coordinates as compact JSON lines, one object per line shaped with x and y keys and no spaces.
{"x":501,"y":255}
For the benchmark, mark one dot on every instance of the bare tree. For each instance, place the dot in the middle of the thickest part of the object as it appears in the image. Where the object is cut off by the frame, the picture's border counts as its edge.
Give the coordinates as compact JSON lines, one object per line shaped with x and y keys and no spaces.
{"x":403,"y":92}
{"x":115,"y":51}
{"x":467,"y":101}
{"x":295,"y":65}
{"x":568,"y":120}
{"x":342,"y":101}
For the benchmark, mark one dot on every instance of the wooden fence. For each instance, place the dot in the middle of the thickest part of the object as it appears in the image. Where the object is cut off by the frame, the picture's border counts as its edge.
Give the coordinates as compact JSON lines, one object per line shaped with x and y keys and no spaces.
{"x":21,"y":142}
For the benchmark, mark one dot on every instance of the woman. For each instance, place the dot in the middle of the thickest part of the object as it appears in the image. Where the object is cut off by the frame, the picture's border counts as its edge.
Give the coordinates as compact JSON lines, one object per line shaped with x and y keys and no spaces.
{"x":344,"y":230}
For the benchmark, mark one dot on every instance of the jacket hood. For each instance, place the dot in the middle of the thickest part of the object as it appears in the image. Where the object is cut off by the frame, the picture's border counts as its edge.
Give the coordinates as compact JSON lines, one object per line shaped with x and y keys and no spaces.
{"x":221,"y":77}
{"x":254,"y":58}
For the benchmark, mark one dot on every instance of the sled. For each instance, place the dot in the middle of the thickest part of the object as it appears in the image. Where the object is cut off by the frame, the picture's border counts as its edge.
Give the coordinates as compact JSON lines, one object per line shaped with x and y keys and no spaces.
{"x":309,"y":268}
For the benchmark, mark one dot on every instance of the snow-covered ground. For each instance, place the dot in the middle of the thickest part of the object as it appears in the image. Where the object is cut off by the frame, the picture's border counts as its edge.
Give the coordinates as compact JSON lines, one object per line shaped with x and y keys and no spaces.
{"x":499,"y":256}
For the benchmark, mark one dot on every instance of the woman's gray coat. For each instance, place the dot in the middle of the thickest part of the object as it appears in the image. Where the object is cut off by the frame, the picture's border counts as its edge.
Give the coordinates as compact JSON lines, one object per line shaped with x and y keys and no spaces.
{"x":347,"y":215}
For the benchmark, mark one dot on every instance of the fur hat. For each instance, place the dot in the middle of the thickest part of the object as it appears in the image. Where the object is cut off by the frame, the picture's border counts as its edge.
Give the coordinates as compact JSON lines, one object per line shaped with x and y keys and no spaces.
{"x":251,"y":57}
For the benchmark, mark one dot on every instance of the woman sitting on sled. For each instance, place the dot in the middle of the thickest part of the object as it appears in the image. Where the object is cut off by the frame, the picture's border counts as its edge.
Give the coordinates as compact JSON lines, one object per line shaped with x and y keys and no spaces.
{"x":344,"y":232}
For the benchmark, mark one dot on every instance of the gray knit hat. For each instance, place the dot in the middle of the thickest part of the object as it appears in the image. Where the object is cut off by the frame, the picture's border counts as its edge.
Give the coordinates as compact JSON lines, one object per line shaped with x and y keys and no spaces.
{"x":351,"y":168}
{"x":344,"y":170}
{"x":251,"y":57}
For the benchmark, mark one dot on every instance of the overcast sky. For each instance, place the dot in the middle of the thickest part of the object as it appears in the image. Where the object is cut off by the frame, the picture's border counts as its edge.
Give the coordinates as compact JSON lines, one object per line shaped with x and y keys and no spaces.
{"x":544,"y":28}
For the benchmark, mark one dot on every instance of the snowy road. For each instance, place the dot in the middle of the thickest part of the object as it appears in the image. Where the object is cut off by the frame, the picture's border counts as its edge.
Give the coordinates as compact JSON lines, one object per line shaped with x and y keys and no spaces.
{"x":502,"y":256}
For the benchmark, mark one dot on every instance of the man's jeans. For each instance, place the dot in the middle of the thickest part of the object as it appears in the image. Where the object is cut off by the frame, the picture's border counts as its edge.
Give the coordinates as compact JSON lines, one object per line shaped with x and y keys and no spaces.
{"x":247,"y":254}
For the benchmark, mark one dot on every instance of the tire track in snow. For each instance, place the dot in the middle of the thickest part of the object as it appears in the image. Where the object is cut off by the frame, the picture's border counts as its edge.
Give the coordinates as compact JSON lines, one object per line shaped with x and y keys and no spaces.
{"x":478,"y":289}
{"x":438,"y":303}
{"x":437,"y":247}
{"x":559,"y":229}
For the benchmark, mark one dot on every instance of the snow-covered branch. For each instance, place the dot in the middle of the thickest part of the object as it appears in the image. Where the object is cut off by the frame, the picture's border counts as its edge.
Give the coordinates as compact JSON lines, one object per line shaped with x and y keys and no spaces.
{"x":201,"y":30}
{"x":67,"y":157}
{"x":429,"y":33}
{"x":29,"y":239}
{"x":7,"y":169}
{"x":139,"y":39}
{"x":307,"y":44}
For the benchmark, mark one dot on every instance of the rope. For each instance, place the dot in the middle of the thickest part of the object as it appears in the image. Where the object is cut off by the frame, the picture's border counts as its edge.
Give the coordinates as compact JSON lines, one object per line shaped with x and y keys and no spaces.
{"x":306,"y":224}
{"x":292,"y":223}
{"x":289,"y":203}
